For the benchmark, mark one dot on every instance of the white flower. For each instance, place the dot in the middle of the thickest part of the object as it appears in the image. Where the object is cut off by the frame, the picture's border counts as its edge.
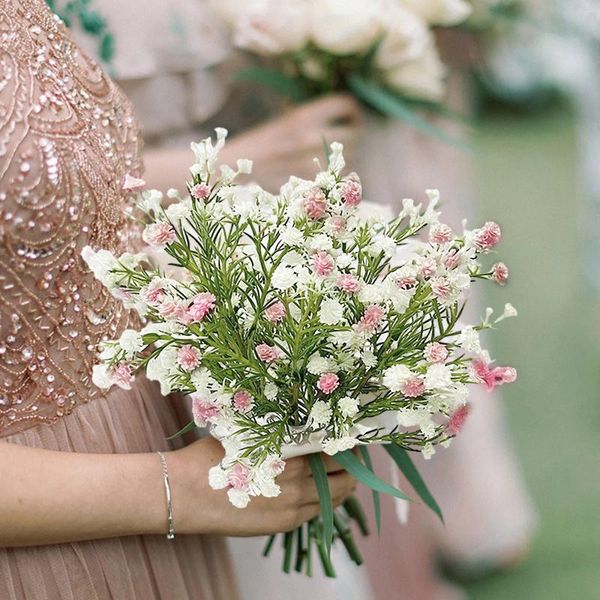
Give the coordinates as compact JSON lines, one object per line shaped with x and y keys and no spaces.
{"x":151,"y":202}
{"x":345,"y":26}
{"x":178,"y":211}
{"x":468,"y":340}
{"x":421,"y":77}
{"x":284,"y":278}
{"x":373,"y":293}
{"x":293,"y":259}
{"x":381,"y":243}
{"x":239,"y":498}
{"x":348,"y":406}
{"x":438,"y":376}
{"x":368,"y":358}
{"x":271,"y":390}
{"x":131,"y":342}
{"x":267,"y":26}
{"x":100,"y":264}
{"x":395,"y":377}
{"x":292,"y":236}
{"x":320,"y":414}
{"x":101,"y":377}
{"x":317,"y":364}
{"x":332,"y":446}
{"x":441,"y":12}
{"x":320,"y":242}
{"x":331,"y":312}
{"x":344,"y":260}
{"x":244,"y":166}
{"x":207,"y":153}
{"x":217,"y":478}
{"x":404,"y":38}
{"x":509,"y":312}
{"x":428,"y":451}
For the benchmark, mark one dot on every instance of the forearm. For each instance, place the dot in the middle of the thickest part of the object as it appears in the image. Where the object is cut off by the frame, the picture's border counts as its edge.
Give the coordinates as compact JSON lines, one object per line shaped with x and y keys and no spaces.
{"x":50,"y":497}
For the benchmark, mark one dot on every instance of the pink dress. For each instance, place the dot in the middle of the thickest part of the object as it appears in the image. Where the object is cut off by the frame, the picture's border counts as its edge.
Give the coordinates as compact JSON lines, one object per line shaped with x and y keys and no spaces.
{"x":67,"y":139}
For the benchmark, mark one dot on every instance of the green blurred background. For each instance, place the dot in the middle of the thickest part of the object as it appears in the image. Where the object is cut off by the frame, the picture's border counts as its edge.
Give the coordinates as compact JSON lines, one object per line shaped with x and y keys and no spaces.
{"x":528,"y":180}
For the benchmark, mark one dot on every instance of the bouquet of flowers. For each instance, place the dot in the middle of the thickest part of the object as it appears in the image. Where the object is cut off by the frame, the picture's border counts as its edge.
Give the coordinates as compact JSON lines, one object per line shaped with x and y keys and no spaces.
{"x":299,"y":326}
{"x":381,"y":51}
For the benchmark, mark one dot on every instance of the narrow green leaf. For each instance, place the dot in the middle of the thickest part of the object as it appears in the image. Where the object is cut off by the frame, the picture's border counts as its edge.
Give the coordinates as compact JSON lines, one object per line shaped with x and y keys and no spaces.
{"x":405,"y":464}
{"x":376,"y":498}
{"x":348,"y":460}
{"x":189,"y":427}
{"x":320,"y":477}
{"x":277,"y":80}
{"x":392,"y":105}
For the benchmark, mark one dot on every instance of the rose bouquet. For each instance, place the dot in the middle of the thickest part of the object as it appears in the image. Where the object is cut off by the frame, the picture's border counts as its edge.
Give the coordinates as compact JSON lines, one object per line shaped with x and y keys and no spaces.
{"x":300,"y":326}
{"x":381,"y":51}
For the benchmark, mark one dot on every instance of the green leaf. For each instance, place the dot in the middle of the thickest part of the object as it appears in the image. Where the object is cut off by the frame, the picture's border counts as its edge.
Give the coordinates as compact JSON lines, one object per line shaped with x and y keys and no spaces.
{"x":405,"y":464}
{"x":391,"y":105}
{"x":350,"y":462}
{"x":277,"y":80}
{"x":376,"y":498}
{"x":189,"y":427}
{"x":320,"y":477}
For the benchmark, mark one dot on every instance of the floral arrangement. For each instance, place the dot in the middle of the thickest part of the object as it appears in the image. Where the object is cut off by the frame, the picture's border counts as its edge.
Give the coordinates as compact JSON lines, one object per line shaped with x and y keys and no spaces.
{"x":300,"y":326}
{"x":381,"y":51}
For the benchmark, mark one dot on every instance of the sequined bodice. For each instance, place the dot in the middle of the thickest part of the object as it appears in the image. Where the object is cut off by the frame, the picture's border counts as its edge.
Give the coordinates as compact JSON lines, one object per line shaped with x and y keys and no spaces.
{"x":67,"y":139}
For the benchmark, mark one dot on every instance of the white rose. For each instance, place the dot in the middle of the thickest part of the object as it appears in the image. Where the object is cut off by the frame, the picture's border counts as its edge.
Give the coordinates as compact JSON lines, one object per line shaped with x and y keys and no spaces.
{"x":441,"y":12}
{"x":269,"y":26}
{"x":345,"y":26}
{"x":395,"y":377}
{"x":405,"y":36}
{"x":348,"y":406}
{"x":421,"y":77}
{"x":331,"y":312}
{"x":131,"y":342}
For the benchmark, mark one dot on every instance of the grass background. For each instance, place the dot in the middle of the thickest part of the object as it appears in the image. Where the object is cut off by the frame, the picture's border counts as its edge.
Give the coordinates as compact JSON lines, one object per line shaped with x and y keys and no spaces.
{"x":528,"y":180}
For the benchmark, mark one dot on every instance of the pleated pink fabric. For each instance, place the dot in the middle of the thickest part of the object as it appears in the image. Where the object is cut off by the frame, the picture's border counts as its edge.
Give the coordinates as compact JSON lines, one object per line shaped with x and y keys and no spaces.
{"x":131,"y":568}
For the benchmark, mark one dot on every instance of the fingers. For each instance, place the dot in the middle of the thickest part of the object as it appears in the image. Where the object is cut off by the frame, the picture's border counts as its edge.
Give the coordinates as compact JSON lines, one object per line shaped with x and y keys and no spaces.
{"x":336,"y":108}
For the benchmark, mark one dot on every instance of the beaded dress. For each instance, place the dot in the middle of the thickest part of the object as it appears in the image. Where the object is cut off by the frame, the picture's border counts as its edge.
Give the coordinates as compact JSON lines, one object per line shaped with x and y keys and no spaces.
{"x":67,"y":139}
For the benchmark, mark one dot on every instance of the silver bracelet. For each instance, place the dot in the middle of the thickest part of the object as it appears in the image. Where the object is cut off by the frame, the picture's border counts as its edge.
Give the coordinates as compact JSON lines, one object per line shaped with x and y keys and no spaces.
{"x":170,"y":521}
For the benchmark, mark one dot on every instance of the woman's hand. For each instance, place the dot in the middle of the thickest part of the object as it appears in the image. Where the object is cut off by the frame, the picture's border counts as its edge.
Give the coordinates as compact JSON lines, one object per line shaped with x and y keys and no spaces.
{"x":199,"y":509}
{"x":287,"y":145}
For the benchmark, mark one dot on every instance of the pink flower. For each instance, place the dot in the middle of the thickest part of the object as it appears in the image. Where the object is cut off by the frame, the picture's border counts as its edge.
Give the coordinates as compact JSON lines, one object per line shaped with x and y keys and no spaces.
{"x":204,"y":411}
{"x":277,"y":466}
{"x":328,"y":383}
{"x":406,"y":283}
{"x":487,"y":236}
{"x":122,"y":375}
{"x":352,"y":191}
{"x":436,"y":352}
{"x":413,"y":387}
{"x":322,"y":264}
{"x":458,"y":419}
{"x":239,"y":477}
{"x":133,"y":184}
{"x":348,"y":283}
{"x":188,"y":357}
{"x":243,"y":401}
{"x":441,"y":234}
{"x":336,"y":224}
{"x":315,"y":203}
{"x":173,"y":310}
{"x":159,"y":234}
{"x":200,"y":191}
{"x":371,"y":318}
{"x":153,"y":293}
{"x":500,"y":273}
{"x":428,"y":268}
{"x":440,"y":287}
{"x":267,"y":353}
{"x":201,"y":306}
{"x":451,"y":260}
{"x":491,"y":378}
{"x":275,"y":312}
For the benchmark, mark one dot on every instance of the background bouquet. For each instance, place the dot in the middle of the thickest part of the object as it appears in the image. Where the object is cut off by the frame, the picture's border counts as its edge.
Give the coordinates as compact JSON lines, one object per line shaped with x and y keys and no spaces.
{"x":299,"y":326}
{"x":381,"y":51}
